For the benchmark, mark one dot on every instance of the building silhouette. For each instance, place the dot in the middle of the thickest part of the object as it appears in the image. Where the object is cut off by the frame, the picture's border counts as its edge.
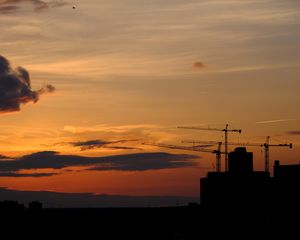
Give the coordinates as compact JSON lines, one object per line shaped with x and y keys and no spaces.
{"x":242,"y":186}
{"x":35,"y":206}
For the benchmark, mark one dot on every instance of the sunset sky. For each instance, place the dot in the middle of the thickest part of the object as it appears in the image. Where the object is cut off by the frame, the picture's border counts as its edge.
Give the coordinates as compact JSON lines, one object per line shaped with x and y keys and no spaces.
{"x":110,"y":75}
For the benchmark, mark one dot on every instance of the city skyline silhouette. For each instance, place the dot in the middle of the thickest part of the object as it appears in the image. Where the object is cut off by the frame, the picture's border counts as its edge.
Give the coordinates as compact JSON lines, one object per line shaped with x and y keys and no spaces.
{"x":164,"y":119}
{"x":235,"y":203}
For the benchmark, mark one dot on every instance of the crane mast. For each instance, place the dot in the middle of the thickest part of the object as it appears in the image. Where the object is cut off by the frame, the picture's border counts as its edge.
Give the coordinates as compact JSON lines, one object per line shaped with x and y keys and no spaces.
{"x":267,"y":146}
{"x":267,"y":154}
{"x":217,"y":152}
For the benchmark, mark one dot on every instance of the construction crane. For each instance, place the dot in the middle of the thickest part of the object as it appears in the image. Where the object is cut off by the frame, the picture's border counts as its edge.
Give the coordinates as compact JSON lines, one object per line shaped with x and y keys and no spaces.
{"x":225,"y":130}
{"x":198,"y":148}
{"x":209,"y":144}
{"x":266,"y":145}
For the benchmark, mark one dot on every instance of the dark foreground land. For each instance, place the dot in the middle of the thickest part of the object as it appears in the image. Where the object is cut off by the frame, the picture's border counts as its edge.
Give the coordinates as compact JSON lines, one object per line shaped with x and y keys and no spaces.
{"x":191,"y":222}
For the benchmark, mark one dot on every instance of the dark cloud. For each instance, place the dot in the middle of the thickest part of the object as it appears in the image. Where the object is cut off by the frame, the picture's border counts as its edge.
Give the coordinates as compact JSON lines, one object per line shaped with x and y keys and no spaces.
{"x":150,"y":161}
{"x":126,"y":162}
{"x":91,"y":144}
{"x":39,"y":5}
{"x":34,"y":175}
{"x":8,"y":9}
{"x":123,"y":148}
{"x":198,"y":65}
{"x":3,"y":157}
{"x":15,"y":87}
{"x":293,"y":132}
{"x":9,"y":6}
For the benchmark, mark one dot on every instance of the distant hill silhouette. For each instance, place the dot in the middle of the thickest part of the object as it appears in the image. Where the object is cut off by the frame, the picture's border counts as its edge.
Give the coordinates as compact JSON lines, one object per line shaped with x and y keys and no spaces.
{"x":89,"y":200}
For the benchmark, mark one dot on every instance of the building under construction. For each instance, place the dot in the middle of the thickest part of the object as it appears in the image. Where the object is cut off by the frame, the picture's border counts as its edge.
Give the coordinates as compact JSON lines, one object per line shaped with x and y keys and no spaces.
{"x":242,"y":186}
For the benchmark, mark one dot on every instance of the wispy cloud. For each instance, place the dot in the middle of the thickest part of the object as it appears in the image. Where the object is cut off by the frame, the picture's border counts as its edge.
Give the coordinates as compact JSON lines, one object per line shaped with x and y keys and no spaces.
{"x":108,"y":128}
{"x":111,"y":135}
{"x":277,"y":120}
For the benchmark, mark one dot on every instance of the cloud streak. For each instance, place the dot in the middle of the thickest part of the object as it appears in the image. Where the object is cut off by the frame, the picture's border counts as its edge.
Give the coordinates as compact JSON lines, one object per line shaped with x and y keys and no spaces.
{"x":8,"y":9}
{"x":91,"y":144}
{"x":15,"y":87}
{"x":33,"y":175}
{"x":277,"y":121}
{"x":294,"y":132}
{"x":127,"y":162}
{"x":9,"y":6}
